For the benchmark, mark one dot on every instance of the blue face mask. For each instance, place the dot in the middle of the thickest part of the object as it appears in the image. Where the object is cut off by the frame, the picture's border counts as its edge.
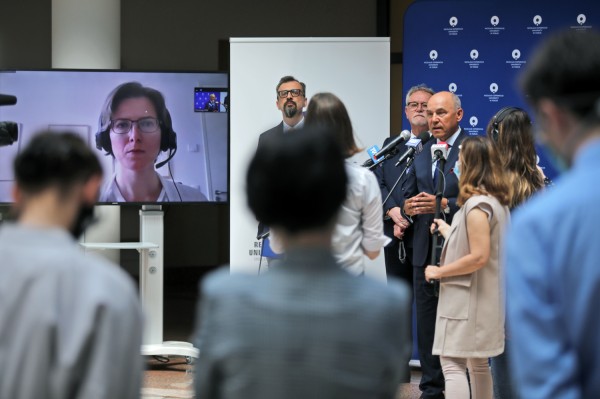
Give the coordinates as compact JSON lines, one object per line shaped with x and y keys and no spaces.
{"x":457,"y":170}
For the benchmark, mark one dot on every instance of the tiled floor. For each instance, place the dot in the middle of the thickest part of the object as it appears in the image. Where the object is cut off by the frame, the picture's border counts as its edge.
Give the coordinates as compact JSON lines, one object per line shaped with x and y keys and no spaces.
{"x":174,"y":379}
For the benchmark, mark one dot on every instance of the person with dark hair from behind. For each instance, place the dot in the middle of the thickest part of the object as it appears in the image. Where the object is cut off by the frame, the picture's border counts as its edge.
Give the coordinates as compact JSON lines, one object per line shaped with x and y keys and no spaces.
{"x":306,"y":329}
{"x":135,"y":127}
{"x":553,"y":277}
{"x":70,"y":323}
{"x":290,"y":99}
{"x":398,"y":254}
{"x":511,"y":133}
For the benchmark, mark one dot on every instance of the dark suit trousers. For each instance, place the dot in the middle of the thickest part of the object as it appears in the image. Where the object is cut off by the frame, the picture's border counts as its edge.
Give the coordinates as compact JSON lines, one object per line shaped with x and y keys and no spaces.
{"x":432,"y":379}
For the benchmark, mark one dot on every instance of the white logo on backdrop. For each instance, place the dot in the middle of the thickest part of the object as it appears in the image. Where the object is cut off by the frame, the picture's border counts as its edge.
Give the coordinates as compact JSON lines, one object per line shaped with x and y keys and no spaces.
{"x":452,"y":87}
{"x":495,"y":20}
{"x":516,"y":54}
{"x":537,"y":20}
{"x":473,"y":121}
{"x":453,"y":21}
{"x":581,"y":19}
{"x":494,"y":88}
{"x":433,"y":55}
{"x":474,"y":54}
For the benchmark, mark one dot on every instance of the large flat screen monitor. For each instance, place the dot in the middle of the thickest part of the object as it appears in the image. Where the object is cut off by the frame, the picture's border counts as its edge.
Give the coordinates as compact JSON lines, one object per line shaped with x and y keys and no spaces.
{"x":144,"y":127}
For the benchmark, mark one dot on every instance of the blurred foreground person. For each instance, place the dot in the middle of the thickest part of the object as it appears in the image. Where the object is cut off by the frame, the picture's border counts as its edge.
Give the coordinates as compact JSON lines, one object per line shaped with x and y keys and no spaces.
{"x":306,"y":329}
{"x":553,"y":278}
{"x":70,"y":323}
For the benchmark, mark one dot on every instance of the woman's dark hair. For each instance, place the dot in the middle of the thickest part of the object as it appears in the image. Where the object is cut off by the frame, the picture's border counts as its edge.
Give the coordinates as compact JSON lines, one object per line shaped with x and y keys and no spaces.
{"x":512,"y":138}
{"x":327,"y":110}
{"x":481,"y":172}
{"x":297,"y":181}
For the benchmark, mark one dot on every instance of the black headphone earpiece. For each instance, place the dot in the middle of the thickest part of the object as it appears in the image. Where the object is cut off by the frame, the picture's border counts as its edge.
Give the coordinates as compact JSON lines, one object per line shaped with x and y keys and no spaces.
{"x":168,"y":139}
{"x":498,"y":118}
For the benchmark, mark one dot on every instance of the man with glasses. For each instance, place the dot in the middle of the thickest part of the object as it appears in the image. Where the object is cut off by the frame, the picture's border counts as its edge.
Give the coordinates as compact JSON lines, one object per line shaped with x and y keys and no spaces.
{"x":398,"y":253}
{"x":291,"y":101}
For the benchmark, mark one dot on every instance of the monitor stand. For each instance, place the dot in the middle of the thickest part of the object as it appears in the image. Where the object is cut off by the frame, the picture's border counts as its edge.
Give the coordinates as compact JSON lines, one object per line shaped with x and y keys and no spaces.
{"x":152,"y":288}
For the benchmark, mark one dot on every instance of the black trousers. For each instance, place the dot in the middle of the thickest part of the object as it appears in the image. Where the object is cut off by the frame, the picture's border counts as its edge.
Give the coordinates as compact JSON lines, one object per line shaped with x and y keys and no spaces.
{"x":432,"y":379}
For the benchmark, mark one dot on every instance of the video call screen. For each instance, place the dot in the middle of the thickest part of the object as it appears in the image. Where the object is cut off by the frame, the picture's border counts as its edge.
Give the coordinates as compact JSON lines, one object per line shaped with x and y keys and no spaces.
{"x":189,"y":160}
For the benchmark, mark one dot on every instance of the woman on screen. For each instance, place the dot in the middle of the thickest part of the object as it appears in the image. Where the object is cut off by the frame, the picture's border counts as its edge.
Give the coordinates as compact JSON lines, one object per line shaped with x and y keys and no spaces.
{"x":134,"y":127}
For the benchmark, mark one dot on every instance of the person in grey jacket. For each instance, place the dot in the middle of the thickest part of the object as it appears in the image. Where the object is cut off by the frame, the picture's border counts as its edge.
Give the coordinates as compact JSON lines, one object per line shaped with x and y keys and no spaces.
{"x":307,"y":328}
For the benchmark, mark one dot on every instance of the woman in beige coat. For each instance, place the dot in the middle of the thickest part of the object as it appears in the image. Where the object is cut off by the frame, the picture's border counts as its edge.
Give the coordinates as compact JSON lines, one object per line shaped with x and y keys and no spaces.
{"x":470,"y":315}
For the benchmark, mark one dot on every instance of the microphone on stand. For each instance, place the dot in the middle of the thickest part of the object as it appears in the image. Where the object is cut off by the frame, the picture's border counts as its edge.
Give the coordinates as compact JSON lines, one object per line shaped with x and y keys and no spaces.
{"x":378,"y":155}
{"x":439,"y":151}
{"x":415,"y":146}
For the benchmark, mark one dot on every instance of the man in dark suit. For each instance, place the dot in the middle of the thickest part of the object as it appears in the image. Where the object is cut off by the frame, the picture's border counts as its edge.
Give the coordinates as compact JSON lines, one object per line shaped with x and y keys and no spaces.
{"x":398,"y":253}
{"x":212,"y":105}
{"x":306,"y":329}
{"x":291,"y":101}
{"x":444,"y":113}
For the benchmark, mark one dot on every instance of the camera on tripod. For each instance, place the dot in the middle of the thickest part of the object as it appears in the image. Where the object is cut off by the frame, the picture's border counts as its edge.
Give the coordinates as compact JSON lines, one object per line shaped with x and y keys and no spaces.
{"x":9,"y":131}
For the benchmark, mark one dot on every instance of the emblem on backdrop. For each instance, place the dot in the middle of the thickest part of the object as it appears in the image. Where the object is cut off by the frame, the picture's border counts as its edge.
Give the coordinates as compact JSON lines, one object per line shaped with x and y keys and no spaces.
{"x":495,"y":29}
{"x":473,"y":62}
{"x":473,"y":130}
{"x":495,"y":96}
{"x":453,"y":30}
{"x":452,"y":87}
{"x":537,"y":28}
{"x":434,"y":63}
{"x":515,"y":62}
{"x":581,"y":20}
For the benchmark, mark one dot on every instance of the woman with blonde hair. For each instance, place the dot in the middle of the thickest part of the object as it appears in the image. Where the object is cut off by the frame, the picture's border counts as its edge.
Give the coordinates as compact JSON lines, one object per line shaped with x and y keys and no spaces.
{"x":470,"y":317}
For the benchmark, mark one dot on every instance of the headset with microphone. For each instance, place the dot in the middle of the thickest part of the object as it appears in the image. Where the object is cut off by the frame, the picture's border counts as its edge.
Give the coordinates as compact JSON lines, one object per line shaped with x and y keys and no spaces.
{"x":499,"y":117}
{"x":168,"y":137}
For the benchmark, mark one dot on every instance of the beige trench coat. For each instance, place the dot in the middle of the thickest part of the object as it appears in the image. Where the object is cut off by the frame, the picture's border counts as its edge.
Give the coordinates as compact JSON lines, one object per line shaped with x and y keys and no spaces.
{"x":470,"y":313}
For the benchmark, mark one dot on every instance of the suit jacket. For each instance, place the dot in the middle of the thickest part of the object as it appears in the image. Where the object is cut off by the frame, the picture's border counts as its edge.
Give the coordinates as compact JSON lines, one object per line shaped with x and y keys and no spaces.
{"x":305,"y":329}
{"x":419,"y":180}
{"x":387,"y":174}
{"x":272,"y":133}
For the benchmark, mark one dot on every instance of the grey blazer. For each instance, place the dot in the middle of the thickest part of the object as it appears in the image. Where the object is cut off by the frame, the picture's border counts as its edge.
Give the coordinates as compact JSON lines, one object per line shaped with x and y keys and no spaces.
{"x":306,"y":329}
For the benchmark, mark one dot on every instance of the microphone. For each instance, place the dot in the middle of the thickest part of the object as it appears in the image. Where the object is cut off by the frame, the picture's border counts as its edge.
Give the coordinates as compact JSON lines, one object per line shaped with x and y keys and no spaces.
{"x":439,"y":151}
{"x":389,"y":147}
{"x":415,"y":146}
{"x":6,"y":99}
{"x":171,"y":155}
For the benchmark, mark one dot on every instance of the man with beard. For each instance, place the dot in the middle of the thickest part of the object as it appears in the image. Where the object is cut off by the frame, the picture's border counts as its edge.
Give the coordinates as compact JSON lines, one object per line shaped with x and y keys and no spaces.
{"x":398,"y":253}
{"x":70,"y":322}
{"x":291,"y":100}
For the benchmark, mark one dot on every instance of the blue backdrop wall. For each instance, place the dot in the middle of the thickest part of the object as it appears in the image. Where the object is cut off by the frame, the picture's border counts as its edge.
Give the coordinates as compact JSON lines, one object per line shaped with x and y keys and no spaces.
{"x":477,"y":49}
